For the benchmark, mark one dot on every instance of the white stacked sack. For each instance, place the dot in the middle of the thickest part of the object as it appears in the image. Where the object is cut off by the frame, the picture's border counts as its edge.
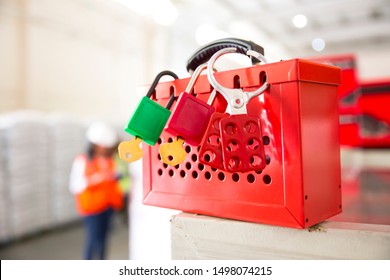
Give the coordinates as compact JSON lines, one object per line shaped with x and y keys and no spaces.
{"x":26,"y":142}
{"x":67,"y":140}
{"x":5,"y":233}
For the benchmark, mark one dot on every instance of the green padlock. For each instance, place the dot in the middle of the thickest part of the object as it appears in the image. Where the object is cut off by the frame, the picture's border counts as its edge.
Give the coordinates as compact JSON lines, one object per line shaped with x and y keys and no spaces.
{"x":149,"y":119}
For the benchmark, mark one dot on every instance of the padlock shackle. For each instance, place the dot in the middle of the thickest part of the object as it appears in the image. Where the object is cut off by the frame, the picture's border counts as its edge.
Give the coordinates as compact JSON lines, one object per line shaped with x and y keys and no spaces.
{"x":236,"y":98}
{"x":157,"y":79}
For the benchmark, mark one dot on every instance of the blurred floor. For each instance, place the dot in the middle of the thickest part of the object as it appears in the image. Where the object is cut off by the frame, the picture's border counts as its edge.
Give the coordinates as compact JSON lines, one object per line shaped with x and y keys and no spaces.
{"x":66,"y":243}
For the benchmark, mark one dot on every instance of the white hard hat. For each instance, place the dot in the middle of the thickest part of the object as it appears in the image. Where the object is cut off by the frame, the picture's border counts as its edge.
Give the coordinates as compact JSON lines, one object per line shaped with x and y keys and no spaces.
{"x":99,"y":133}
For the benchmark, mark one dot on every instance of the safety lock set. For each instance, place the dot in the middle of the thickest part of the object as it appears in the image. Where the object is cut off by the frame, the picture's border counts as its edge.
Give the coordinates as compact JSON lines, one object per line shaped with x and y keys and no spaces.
{"x":258,"y":144}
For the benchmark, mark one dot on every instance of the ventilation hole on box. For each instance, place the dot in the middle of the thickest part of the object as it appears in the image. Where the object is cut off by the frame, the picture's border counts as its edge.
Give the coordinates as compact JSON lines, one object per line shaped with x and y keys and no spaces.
{"x":159,"y":141}
{"x":198,"y":148}
{"x":236,"y":82}
{"x":259,"y":171}
{"x":188,"y":149}
{"x":266,"y":140}
{"x":188,"y":165}
{"x":267,"y":179}
{"x":165,"y":165}
{"x":262,"y":77}
{"x":194,"y":157}
{"x":339,"y":186}
{"x":195,"y":174}
{"x":214,"y":169}
{"x":236,"y":177}
{"x":171,"y":173}
{"x":207,"y":175}
{"x":201,"y":166}
{"x":159,"y":157}
{"x":307,"y":220}
{"x":170,"y":140}
{"x":160,"y":172}
{"x":251,"y":178}
{"x":170,"y":157}
{"x":221,"y":176}
{"x":339,"y":206}
{"x":306,"y":197}
{"x":267,"y":159}
{"x":182,"y":173}
{"x":177,"y":166}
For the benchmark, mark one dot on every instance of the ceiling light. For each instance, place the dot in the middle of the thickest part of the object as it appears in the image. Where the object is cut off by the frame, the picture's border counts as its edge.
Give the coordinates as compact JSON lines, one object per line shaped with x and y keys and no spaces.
{"x":299,"y":21}
{"x":318,"y":44}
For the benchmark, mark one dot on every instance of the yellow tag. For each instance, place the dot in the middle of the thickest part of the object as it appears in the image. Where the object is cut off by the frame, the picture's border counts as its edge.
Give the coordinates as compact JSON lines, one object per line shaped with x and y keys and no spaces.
{"x":130,"y":151}
{"x":173,"y":153}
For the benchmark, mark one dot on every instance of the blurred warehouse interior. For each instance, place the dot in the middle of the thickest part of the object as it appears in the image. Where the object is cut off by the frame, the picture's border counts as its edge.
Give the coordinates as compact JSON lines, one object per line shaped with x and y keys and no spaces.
{"x":73,"y":61}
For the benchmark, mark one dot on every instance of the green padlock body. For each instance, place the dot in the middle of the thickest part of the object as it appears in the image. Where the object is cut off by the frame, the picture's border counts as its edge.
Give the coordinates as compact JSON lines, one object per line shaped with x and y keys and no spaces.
{"x":148,"y":121}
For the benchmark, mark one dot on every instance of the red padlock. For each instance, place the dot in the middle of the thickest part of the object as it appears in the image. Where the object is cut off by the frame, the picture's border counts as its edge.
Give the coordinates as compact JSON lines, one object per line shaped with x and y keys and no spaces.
{"x":191,"y":115}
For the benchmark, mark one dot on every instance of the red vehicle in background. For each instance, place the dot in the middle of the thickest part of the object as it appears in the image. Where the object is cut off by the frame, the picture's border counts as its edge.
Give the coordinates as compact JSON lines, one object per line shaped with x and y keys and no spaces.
{"x":374,"y":119}
{"x":349,"y":92}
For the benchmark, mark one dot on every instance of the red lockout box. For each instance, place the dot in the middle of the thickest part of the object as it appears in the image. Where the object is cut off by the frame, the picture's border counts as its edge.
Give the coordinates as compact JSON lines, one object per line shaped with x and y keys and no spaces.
{"x":301,"y":183}
{"x":349,"y":93}
{"x":375,"y":114}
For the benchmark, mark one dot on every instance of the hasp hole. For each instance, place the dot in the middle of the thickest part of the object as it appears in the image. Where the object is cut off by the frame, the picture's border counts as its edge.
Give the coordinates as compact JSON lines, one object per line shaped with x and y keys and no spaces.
{"x":216,"y":124}
{"x":232,"y":146}
{"x":207,"y":175}
{"x":253,"y":144}
{"x":255,"y":161}
{"x":188,"y":165}
{"x":266,"y":140}
{"x":214,"y":140}
{"x":307,"y":220}
{"x":251,"y":178}
{"x":194,"y":157}
{"x":251,"y":127}
{"x":267,"y":179}
{"x":306,"y":197}
{"x":230,"y":129}
{"x":188,"y":149}
{"x":221,"y":176}
{"x":182,"y":173}
{"x":234,"y":163}
{"x":171,"y":172}
{"x":195,"y":174}
{"x":208,"y":156}
{"x":235,"y":177}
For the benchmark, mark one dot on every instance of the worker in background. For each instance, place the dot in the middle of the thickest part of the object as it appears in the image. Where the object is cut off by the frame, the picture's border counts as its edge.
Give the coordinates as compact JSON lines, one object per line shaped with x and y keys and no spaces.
{"x":94,"y":182}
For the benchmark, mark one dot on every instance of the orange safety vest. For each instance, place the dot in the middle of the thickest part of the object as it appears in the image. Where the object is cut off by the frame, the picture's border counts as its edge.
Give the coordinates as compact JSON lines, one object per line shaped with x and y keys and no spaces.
{"x":99,"y":197}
